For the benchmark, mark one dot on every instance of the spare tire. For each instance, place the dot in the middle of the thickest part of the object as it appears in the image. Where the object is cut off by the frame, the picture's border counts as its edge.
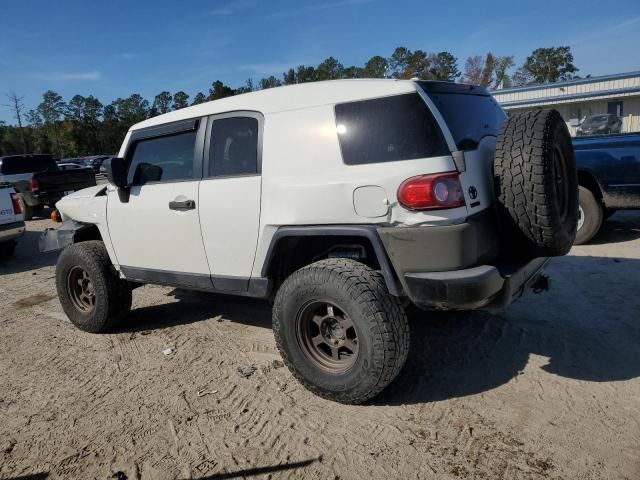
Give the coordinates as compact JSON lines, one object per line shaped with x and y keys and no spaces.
{"x":536,"y":184}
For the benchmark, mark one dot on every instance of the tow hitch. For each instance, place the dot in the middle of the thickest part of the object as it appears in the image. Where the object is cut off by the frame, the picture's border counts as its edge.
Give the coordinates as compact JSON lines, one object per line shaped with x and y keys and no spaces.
{"x":542,"y":283}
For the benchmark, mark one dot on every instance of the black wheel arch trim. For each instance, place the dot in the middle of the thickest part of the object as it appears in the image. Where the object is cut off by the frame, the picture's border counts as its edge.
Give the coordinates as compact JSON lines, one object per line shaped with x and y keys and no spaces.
{"x":365,"y":231}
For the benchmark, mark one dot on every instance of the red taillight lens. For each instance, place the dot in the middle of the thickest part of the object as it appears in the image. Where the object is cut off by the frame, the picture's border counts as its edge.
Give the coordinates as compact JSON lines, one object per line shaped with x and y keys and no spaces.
{"x":33,"y":184}
{"x":17,"y":208}
{"x":431,"y":191}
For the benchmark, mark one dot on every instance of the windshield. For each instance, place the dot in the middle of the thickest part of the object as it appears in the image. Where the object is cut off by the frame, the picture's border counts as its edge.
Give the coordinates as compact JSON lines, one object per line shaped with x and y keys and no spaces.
{"x":471,"y":113}
{"x":595,"y":120}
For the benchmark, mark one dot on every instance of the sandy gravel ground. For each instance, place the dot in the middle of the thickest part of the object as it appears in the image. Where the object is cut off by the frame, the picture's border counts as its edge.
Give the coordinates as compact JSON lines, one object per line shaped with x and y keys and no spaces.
{"x":548,"y":389}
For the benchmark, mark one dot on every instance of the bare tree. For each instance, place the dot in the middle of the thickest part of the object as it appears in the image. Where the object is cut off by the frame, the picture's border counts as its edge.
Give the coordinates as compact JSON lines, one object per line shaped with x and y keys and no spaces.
{"x":16,"y":105}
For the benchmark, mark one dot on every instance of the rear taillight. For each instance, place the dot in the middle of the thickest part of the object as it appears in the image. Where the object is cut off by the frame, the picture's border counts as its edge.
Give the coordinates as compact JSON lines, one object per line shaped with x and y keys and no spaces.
{"x":33,"y":185}
{"x":17,"y":208}
{"x":428,"y":192}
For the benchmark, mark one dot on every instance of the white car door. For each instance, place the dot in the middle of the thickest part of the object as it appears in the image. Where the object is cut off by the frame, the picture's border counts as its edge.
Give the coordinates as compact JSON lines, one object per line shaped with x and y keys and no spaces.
{"x":155,"y":232}
{"x":230,"y":197}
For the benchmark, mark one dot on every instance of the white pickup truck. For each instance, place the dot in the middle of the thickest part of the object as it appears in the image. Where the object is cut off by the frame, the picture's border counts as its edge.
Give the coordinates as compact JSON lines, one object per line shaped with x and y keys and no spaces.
{"x":342,"y":202}
{"x":11,"y":220}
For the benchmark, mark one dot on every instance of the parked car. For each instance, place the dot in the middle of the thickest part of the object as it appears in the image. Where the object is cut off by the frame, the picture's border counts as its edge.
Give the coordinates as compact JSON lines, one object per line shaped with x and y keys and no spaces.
{"x":39,"y":181}
{"x":97,"y":162}
{"x":609,"y":177}
{"x":341,"y":201}
{"x":105,"y":165}
{"x":71,"y":166}
{"x":11,"y":220}
{"x":600,"y":125}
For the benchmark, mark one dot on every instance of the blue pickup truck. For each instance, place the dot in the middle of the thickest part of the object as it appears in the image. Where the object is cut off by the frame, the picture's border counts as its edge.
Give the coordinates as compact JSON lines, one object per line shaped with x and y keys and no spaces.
{"x":609,"y":178}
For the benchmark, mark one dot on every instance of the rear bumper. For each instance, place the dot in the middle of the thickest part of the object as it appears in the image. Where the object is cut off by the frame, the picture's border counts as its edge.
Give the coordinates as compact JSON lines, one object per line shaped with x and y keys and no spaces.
{"x":485,"y":286}
{"x":11,"y":231}
{"x":457,"y":267}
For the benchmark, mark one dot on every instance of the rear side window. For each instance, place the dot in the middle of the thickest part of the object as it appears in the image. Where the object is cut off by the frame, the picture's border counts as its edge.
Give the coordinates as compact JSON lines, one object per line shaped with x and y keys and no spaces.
{"x":471,"y":113}
{"x":388,"y":129}
{"x":18,"y":165}
{"x":163,"y":159}
{"x":234,"y":147}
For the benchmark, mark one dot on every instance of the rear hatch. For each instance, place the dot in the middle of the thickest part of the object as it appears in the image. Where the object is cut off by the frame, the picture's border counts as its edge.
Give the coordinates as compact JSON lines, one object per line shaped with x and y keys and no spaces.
{"x":7,"y":214}
{"x":474,"y":120}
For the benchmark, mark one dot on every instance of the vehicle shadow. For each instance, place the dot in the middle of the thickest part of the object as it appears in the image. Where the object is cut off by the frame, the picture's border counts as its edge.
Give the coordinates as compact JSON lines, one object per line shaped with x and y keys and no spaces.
{"x":194,"y":307}
{"x":27,"y":256}
{"x":621,"y":227}
{"x":586,"y":326}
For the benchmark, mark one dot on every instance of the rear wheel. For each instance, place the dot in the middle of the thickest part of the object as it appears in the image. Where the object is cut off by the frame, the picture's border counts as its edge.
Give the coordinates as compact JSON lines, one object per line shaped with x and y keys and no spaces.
{"x":27,"y":210}
{"x":340,"y":332}
{"x":92,"y":295}
{"x":590,"y":216}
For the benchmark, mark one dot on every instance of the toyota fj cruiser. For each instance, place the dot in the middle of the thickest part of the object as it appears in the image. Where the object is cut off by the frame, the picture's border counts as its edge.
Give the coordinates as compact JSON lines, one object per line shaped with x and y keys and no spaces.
{"x":342,"y":202}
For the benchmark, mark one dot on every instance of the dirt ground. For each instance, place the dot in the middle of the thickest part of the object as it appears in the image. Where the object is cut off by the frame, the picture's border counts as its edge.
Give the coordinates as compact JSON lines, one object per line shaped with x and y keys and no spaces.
{"x":548,"y":389}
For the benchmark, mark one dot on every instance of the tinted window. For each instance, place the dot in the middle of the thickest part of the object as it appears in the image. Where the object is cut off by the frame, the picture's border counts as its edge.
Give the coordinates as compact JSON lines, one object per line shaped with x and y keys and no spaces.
{"x":234,"y":147}
{"x":18,"y":165}
{"x":388,"y":129}
{"x":162,"y":159}
{"x":470,"y":112}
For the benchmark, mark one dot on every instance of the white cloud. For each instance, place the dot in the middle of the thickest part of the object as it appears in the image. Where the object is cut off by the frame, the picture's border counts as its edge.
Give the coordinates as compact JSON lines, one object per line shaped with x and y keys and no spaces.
{"x":318,"y":7}
{"x":231,"y":8}
{"x":70,"y":76}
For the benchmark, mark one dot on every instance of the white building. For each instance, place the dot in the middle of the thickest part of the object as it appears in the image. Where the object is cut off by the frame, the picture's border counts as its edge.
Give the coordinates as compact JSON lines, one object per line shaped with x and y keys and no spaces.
{"x":578,"y":99}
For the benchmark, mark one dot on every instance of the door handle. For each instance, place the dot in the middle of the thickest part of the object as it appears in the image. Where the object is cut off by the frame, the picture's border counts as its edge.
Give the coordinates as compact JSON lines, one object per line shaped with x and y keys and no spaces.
{"x":183,"y":205}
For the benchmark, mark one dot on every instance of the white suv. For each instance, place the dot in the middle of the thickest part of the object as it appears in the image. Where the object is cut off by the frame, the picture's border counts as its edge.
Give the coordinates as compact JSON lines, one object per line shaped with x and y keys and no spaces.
{"x":341,"y":201}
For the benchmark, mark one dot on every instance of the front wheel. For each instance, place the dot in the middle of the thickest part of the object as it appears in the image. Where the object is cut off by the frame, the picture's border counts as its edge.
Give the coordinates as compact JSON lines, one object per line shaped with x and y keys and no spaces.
{"x":340,"y":332}
{"x":92,"y":295}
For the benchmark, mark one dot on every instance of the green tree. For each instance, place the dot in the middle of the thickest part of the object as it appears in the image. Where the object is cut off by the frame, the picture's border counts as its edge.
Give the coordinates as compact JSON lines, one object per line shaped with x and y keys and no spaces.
{"x":199,"y":98}
{"x":41,"y":141}
{"x":162,"y":103}
{"x":51,"y":109}
{"x":180,"y":100}
{"x":329,"y":69}
{"x":444,"y":66}
{"x":405,"y":64}
{"x":269,"y":82}
{"x":550,"y":64}
{"x":91,"y":123}
{"x":376,"y":67}
{"x":353,"y":72}
{"x":289,"y":77}
{"x":305,"y":74}
{"x":219,"y":90}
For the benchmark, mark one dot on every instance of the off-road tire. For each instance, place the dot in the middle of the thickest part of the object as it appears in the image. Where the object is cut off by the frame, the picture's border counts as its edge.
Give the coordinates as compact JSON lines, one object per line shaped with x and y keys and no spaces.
{"x":536,"y":184}
{"x":378,"y":318}
{"x":593,"y":216}
{"x":27,"y":210}
{"x":112,"y":294}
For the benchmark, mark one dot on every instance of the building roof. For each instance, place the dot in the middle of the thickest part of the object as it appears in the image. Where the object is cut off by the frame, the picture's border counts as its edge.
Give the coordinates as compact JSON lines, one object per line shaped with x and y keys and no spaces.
{"x":289,"y":97}
{"x":601,"y":87}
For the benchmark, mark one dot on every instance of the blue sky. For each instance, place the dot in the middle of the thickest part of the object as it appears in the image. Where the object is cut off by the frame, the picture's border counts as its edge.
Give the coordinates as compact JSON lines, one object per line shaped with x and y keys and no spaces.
{"x":112,"y":49}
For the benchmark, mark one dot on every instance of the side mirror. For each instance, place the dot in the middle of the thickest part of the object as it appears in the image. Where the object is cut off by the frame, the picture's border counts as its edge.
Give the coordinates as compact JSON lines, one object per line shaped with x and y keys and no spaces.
{"x":117,"y":172}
